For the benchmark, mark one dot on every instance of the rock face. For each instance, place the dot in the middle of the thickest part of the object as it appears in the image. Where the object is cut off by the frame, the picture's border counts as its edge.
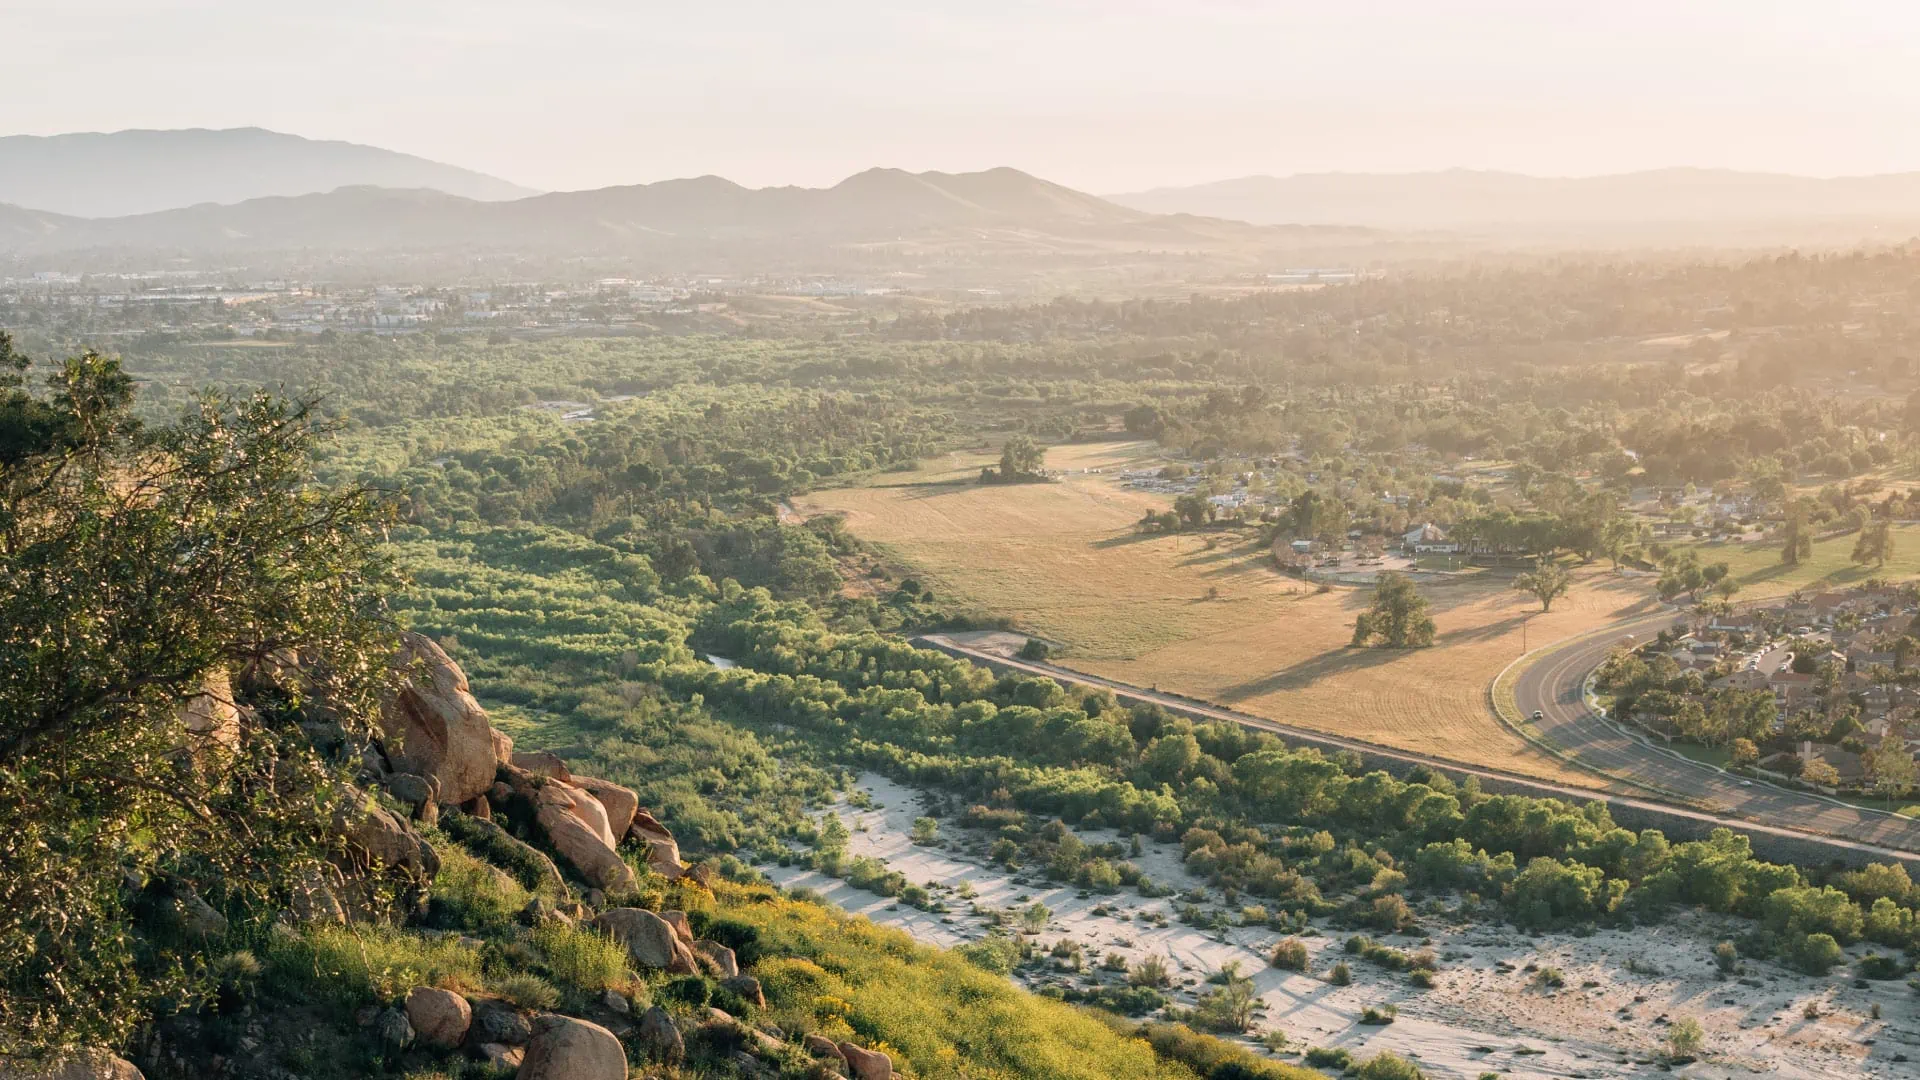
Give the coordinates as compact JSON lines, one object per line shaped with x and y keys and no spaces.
{"x":567,"y":1049}
{"x":433,"y":727}
{"x":650,"y":940}
{"x":867,"y":1064}
{"x":439,"y":1017}
{"x":663,"y":852}
{"x":84,"y":1065}
{"x":501,"y":1056}
{"x":620,"y":803}
{"x":660,"y":1039}
{"x":576,"y":824}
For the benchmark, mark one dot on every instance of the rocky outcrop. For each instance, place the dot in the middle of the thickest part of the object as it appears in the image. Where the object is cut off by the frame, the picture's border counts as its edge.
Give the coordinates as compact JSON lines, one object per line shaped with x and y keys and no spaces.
{"x":682,"y":929}
{"x":384,"y":867}
{"x":650,"y":940}
{"x":620,"y":803}
{"x":867,"y":1064}
{"x":502,"y":747}
{"x":82,"y":1065}
{"x":439,"y":1017}
{"x":663,"y":853}
{"x":576,"y":825}
{"x":491,"y":841}
{"x":433,"y":727}
{"x":659,"y":1039}
{"x":567,"y":1049}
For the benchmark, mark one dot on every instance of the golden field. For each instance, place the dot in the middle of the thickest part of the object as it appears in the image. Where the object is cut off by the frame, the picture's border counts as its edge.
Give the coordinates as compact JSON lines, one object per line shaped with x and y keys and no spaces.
{"x":1206,"y":614}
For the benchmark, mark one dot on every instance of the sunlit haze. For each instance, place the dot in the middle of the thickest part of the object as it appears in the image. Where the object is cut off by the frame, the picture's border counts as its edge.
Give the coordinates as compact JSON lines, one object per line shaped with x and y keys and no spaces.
{"x":1105,"y":96}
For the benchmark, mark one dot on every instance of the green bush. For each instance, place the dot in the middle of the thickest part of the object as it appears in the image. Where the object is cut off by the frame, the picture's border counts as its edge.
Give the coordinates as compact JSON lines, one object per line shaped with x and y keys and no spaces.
{"x":1387,"y":1066}
{"x":1290,"y":955}
{"x":581,"y":957}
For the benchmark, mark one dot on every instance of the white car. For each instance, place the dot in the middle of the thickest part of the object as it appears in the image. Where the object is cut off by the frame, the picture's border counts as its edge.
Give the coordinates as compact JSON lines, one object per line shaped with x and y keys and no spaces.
{"x":1538,"y":715}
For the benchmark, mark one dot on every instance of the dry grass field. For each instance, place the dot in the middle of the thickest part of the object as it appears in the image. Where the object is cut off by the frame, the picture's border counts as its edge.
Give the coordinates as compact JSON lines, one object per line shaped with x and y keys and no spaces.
{"x":1063,"y":560}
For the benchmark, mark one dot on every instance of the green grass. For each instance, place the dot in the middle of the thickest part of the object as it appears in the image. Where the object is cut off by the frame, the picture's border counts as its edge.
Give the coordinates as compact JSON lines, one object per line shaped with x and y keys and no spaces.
{"x":1757,"y":568}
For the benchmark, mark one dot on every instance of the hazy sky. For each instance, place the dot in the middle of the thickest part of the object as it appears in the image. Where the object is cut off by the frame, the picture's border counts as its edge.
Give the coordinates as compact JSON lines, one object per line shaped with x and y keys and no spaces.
{"x":1105,"y":95}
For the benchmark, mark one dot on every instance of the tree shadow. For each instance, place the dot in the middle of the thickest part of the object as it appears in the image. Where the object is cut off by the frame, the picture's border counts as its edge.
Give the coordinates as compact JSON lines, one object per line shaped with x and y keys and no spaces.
{"x":1341,"y":661}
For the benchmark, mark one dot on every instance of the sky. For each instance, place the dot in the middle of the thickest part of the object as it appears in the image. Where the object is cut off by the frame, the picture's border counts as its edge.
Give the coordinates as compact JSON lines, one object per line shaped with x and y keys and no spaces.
{"x":1103,"y":95}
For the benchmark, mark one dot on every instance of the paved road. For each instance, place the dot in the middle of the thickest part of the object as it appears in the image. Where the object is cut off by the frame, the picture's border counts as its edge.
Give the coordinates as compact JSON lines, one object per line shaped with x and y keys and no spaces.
{"x":1552,"y":683}
{"x":1900,"y":839}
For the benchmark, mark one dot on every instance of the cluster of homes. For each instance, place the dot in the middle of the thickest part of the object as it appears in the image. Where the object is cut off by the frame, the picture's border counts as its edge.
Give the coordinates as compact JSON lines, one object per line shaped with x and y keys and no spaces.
{"x":1857,"y":634}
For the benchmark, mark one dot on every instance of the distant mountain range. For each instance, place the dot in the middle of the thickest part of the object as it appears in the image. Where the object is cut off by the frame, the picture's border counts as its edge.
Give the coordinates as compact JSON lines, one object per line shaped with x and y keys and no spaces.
{"x":138,"y":172}
{"x":876,"y":207}
{"x":1481,"y":201}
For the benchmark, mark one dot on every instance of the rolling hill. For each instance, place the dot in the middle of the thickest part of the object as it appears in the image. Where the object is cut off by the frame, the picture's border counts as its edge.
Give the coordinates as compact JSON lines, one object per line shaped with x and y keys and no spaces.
{"x":707,"y":213}
{"x":136,"y":172}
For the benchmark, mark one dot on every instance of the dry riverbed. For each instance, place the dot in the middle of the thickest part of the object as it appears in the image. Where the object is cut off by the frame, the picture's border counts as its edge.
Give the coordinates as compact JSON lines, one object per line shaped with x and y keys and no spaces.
{"x":1488,"y":1011}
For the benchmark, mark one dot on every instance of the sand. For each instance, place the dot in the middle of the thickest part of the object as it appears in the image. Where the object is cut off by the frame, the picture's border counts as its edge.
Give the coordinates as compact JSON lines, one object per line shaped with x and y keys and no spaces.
{"x":1487,"y":1013}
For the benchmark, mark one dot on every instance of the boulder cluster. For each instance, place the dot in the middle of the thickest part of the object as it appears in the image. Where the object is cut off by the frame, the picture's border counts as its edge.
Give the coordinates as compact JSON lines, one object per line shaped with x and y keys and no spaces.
{"x":438,"y":758}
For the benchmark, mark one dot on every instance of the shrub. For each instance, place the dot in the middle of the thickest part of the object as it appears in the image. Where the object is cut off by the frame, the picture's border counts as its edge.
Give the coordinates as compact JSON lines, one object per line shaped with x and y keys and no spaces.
{"x":1879,"y":968}
{"x":1726,"y":957}
{"x":1685,"y":1037}
{"x":525,"y":989}
{"x":1329,"y":1057}
{"x":1422,"y":978}
{"x":1816,"y":954}
{"x":1379,"y":1015}
{"x":1151,"y":971}
{"x":1290,"y":955}
{"x":1340,"y":974}
{"x":1388,"y":1066}
{"x":581,"y":957}
{"x":1550,"y":977}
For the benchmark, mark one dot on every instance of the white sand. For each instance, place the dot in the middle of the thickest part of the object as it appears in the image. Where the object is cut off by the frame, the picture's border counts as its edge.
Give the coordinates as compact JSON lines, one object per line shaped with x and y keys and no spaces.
{"x":1477,"y":1019}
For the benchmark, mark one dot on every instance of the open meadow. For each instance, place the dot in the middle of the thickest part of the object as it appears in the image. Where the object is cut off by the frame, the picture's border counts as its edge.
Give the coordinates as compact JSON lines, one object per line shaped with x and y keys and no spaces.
{"x":1756,"y":564}
{"x":1206,"y":614}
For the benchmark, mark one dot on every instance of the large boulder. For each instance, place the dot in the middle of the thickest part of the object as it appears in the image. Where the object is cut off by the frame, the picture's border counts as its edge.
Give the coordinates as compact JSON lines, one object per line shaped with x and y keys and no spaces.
{"x":439,"y":1017}
{"x":542,"y":763}
{"x":80,"y":1065}
{"x":682,"y":928}
{"x":210,"y":717}
{"x":432,"y":726}
{"x":383,"y":869}
{"x":495,"y":1021}
{"x":650,"y":940}
{"x":576,"y":825}
{"x":747,"y":988}
{"x":663,"y":852}
{"x":659,"y":1039}
{"x":567,"y":1049}
{"x":620,"y":803}
{"x":717,"y":959}
{"x":867,"y":1064}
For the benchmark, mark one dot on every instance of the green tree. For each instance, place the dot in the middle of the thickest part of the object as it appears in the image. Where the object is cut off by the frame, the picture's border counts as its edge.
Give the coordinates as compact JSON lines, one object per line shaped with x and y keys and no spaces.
{"x":1875,"y":544}
{"x":1546,"y":582}
{"x":1398,"y":617}
{"x":1890,"y":767}
{"x":1796,"y":536}
{"x":1021,"y":457}
{"x":138,"y":569}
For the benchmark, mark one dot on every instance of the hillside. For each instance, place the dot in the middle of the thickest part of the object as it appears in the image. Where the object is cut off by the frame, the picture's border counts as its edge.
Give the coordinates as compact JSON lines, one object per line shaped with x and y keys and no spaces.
{"x":97,"y":174}
{"x":1461,"y":198}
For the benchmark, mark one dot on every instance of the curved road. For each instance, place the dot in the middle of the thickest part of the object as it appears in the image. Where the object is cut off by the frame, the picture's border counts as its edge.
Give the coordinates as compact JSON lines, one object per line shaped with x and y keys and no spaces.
{"x":1553,"y":683}
{"x":1556,"y":673}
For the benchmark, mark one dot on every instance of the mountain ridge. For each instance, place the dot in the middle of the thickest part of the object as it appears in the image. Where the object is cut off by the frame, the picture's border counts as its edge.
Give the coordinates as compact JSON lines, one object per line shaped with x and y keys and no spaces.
{"x":874,"y":205}
{"x":145,"y":170}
